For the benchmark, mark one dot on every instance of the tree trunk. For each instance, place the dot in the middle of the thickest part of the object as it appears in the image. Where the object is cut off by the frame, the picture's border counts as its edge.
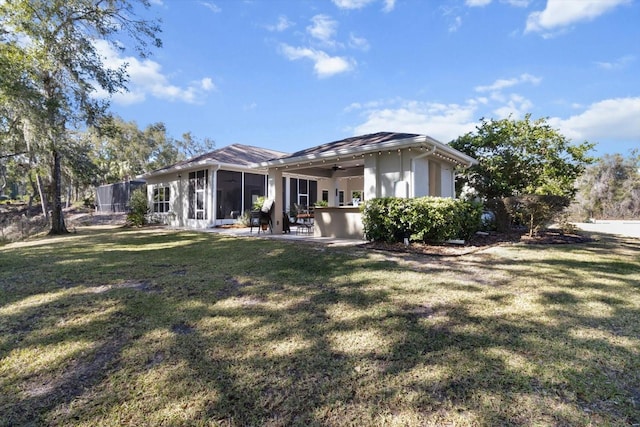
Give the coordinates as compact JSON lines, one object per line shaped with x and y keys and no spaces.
{"x":43,"y":197}
{"x":57,"y":219}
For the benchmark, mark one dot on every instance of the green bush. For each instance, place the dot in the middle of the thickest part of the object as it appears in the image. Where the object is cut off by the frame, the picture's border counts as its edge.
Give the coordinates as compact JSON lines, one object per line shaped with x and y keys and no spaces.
{"x":138,"y":208}
{"x":535,"y":211}
{"x":257,"y":204}
{"x":425,"y":219}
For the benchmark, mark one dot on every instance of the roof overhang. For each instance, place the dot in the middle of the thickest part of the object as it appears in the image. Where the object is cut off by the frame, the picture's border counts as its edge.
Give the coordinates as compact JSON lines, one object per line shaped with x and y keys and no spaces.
{"x":354,"y":155}
{"x":187,"y":167}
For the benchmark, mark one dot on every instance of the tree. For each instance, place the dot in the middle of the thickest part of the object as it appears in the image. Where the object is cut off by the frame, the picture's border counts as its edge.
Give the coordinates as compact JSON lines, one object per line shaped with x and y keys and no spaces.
{"x":518,"y":157}
{"x":52,"y":45}
{"x":610,"y":188}
{"x":190,"y":146}
{"x":123,"y":150}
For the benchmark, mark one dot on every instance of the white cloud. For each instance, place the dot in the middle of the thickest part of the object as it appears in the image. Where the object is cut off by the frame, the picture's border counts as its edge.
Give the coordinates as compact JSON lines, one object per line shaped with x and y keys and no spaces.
{"x":500,"y":84}
{"x":455,"y":26}
{"x":359,"y":4}
{"x":359,"y":43}
{"x":621,"y":62}
{"x":477,"y":3}
{"x":324,"y":65}
{"x":250,"y":107}
{"x":207,"y":84}
{"x":483,"y":3}
{"x":323,"y":28}
{"x":560,"y":14}
{"x":146,"y":78}
{"x":211,"y":6}
{"x":389,"y":5}
{"x":516,"y":107}
{"x":518,"y":3}
{"x":610,"y":119}
{"x":443,"y":122}
{"x":282,"y":24}
{"x":351,"y":4}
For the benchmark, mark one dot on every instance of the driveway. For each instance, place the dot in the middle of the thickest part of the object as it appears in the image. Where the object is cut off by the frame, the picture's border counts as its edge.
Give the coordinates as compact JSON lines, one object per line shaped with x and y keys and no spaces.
{"x":629,"y":228}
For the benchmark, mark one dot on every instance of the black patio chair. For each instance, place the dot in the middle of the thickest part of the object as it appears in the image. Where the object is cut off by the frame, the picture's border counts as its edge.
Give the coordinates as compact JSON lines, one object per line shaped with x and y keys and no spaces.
{"x":254,"y":220}
{"x":262,"y":218}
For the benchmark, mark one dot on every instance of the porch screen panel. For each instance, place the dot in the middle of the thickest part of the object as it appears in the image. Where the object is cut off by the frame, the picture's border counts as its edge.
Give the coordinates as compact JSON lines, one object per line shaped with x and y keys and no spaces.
{"x":284,"y":195}
{"x":303,"y":193}
{"x":293,"y":183}
{"x":313,"y":192}
{"x":229,"y":194}
{"x":254,"y":186}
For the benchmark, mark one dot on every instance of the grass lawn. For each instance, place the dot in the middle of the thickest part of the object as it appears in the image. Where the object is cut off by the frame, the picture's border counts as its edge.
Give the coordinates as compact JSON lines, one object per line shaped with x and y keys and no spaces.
{"x":157,"y":327}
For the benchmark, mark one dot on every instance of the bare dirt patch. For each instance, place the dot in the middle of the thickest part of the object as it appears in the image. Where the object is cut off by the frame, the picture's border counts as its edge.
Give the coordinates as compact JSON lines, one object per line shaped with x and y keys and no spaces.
{"x":19,"y":221}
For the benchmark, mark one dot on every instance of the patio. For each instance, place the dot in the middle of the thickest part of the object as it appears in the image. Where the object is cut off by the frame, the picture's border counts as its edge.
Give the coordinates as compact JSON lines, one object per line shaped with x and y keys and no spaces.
{"x":293,"y":235}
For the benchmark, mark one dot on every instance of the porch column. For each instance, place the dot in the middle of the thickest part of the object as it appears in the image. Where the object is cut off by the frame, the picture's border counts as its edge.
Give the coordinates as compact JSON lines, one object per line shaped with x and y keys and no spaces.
{"x":274,"y":191}
{"x":333,"y":192}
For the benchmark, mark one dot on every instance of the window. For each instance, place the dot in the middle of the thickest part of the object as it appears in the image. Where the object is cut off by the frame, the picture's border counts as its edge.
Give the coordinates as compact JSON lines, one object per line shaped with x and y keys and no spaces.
{"x":161,"y":199}
{"x":325,"y":195}
{"x":340,"y":198}
{"x":197,"y":190}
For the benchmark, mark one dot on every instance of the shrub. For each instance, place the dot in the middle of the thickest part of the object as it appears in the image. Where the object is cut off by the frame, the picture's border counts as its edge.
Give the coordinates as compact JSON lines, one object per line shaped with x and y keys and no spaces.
{"x":245,"y":218}
{"x":535,"y":211}
{"x":138,"y":208}
{"x":257,"y":204}
{"x":426,"y":219}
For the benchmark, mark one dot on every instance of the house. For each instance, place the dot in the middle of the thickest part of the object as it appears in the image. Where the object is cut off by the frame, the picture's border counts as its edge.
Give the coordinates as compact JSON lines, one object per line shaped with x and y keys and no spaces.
{"x":217,"y":187}
{"x":211,"y":189}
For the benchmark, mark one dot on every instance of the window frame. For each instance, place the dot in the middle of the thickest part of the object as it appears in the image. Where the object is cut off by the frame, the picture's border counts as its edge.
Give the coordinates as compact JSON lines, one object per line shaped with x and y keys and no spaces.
{"x":161,"y":199}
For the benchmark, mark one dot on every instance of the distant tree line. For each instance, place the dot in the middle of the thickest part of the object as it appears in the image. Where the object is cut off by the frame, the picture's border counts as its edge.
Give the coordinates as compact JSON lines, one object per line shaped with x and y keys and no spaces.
{"x":113,"y":150}
{"x":609,"y":189}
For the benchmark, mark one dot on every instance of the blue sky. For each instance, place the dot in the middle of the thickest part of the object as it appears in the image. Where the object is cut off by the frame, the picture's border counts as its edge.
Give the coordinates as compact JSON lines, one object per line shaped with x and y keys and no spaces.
{"x":290,"y":74}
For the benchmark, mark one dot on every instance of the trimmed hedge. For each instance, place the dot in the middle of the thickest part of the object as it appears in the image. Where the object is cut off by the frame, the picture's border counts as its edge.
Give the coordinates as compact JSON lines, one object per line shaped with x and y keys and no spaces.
{"x":424,"y":219}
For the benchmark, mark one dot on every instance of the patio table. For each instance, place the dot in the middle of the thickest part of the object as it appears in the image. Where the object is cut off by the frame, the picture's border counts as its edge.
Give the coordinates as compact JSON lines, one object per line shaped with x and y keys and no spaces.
{"x":304,"y":220}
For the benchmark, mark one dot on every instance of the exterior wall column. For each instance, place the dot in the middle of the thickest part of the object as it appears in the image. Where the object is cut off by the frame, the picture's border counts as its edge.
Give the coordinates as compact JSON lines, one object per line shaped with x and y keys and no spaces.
{"x":274,"y":187}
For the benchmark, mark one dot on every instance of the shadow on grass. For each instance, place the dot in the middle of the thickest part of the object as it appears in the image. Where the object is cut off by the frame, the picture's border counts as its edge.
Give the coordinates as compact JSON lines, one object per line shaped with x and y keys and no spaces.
{"x":187,"y":328}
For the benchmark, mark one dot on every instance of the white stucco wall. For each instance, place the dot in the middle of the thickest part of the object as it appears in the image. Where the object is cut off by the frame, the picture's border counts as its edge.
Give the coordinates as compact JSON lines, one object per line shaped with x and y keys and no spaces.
{"x":420,"y":178}
{"x":446,"y":181}
{"x":408,"y":174}
{"x":175,"y":197}
{"x":178,"y":184}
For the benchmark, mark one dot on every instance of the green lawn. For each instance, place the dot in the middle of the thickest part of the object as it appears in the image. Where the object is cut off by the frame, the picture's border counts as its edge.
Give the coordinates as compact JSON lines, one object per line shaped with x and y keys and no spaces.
{"x":155,"y":327}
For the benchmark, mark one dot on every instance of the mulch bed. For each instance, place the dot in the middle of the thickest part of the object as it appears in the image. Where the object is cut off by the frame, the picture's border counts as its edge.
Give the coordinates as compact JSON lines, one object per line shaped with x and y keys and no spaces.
{"x":480,"y":242}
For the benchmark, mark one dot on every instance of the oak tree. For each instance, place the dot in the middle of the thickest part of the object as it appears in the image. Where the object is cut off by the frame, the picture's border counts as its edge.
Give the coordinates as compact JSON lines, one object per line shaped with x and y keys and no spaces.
{"x":52,"y":48}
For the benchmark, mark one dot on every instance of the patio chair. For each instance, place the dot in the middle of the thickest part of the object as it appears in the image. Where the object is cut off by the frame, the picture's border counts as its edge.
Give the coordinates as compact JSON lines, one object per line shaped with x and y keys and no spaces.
{"x":263,"y":217}
{"x":286,"y":223}
{"x":254,"y":220}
